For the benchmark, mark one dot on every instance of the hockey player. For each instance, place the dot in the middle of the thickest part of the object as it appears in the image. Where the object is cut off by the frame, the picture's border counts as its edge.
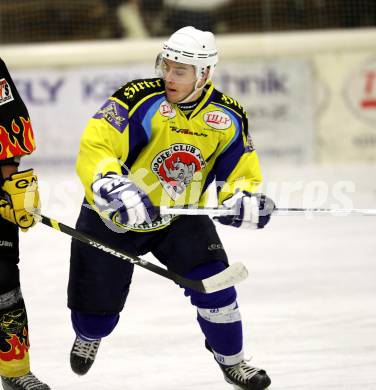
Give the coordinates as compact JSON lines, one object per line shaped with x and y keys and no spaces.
{"x":18,"y":198}
{"x":155,"y":142}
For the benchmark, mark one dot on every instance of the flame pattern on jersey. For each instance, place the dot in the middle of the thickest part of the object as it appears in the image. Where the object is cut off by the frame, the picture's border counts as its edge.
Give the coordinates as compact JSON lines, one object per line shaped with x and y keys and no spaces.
{"x":16,"y":133}
{"x":17,"y":140}
{"x":14,"y":343}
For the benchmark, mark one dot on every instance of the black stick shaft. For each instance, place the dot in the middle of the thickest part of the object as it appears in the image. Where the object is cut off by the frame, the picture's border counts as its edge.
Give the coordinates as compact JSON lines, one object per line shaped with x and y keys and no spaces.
{"x":194,"y":284}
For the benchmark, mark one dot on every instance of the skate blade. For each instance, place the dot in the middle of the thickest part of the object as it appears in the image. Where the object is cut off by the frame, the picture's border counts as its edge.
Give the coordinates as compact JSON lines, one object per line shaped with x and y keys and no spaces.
{"x":239,"y":388}
{"x":236,"y":387}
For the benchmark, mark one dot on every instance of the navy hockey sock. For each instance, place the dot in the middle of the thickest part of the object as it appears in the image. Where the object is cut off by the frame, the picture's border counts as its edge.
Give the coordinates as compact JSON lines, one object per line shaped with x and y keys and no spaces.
{"x":93,"y":326}
{"x":219,"y":317}
{"x":222,"y":328}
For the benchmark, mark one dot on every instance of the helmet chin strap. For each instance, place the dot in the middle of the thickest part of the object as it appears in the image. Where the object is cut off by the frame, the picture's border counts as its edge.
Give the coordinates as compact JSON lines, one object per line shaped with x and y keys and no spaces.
{"x":195,"y":90}
{"x":200,"y":73}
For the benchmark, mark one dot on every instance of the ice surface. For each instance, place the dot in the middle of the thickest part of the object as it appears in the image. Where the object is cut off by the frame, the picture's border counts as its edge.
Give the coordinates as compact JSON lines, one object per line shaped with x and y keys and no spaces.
{"x":308,"y":307}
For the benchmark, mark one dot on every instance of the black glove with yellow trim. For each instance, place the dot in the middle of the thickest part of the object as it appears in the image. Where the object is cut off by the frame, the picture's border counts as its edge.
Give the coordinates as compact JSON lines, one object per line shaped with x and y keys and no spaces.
{"x":22,"y":199}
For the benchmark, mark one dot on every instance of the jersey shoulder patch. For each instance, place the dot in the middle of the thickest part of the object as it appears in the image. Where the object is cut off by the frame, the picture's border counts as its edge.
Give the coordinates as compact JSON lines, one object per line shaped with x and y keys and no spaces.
{"x":137,"y":90}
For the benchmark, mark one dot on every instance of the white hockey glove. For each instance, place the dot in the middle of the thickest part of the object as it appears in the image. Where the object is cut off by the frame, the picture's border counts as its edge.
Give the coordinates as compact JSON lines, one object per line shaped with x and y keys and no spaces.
{"x":126,"y":203}
{"x":252,"y":210}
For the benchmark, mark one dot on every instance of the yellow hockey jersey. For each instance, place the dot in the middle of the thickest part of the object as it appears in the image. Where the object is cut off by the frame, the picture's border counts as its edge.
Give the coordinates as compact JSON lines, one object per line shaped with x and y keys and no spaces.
{"x":171,"y":156}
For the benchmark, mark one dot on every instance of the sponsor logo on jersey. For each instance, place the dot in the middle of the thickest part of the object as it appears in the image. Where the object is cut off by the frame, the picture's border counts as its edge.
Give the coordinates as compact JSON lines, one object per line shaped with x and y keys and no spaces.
{"x":6,"y":95}
{"x":115,"y":114}
{"x":167,"y":110}
{"x":176,"y":166}
{"x":187,"y":132}
{"x":217,"y":120}
{"x":136,"y":87}
{"x":18,"y":140}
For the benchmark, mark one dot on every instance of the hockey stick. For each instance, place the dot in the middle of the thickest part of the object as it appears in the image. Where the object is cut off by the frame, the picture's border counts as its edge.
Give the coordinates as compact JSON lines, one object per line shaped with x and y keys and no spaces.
{"x":235,"y":273}
{"x":222,"y":211}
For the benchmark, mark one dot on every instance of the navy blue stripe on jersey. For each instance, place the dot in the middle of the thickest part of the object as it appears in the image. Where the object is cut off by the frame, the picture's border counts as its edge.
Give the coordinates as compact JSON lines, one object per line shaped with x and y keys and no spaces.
{"x":146,"y":114}
{"x":225,"y":164}
{"x":140,"y":128}
{"x":230,"y":156}
{"x":238,"y":125}
{"x":138,"y":139}
{"x":228,"y":160}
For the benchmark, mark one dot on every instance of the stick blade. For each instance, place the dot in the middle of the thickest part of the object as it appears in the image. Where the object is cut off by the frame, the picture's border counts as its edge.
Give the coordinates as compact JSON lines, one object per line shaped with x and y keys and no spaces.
{"x":232,"y":275}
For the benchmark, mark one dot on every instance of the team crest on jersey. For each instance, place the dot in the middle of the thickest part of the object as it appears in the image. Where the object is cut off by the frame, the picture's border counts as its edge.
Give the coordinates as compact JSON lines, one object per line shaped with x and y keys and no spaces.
{"x":217,"y":120}
{"x":167,"y":110}
{"x":176,"y":166}
{"x":6,"y":95}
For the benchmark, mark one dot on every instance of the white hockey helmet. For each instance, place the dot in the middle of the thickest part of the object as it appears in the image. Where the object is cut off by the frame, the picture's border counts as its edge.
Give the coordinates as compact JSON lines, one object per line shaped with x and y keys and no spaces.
{"x":193,"y":47}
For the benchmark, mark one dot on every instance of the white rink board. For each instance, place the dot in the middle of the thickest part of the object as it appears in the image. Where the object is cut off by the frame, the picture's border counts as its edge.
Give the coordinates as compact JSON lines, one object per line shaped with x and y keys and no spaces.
{"x":343,"y":96}
{"x":61,"y":101}
{"x":278,"y":96}
{"x":346,"y":118}
{"x":308,"y":306}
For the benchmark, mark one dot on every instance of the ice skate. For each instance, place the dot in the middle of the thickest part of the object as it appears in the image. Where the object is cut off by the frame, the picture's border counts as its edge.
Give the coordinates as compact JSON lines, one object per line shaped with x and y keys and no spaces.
{"x":243,"y":376}
{"x":25,"y":382}
{"x":83,"y":354}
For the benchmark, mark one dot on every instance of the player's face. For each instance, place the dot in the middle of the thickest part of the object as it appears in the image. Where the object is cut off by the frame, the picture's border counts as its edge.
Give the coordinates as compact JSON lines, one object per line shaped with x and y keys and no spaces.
{"x":180,"y":80}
